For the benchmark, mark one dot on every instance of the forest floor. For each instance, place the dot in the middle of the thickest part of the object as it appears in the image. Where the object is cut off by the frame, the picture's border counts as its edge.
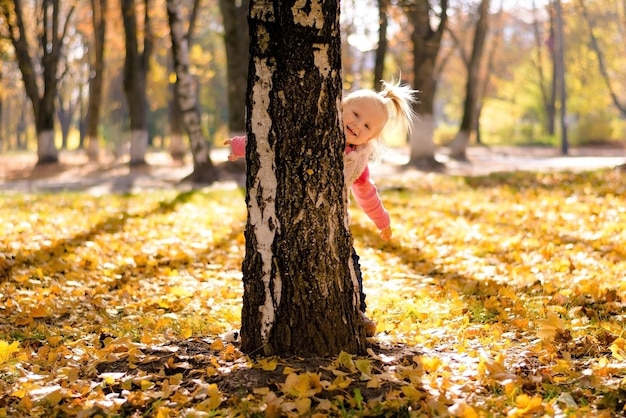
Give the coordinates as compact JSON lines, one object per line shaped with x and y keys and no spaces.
{"x":499,"y":295}
{"x":19,"y":172}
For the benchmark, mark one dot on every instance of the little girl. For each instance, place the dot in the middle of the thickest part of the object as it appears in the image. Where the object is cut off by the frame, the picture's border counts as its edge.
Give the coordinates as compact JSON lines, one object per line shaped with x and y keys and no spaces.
{"x":367,"y":116}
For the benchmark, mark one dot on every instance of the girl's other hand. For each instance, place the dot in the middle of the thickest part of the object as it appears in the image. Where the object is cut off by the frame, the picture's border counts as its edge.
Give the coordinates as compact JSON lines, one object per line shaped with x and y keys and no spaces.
{"x":385,"y":234}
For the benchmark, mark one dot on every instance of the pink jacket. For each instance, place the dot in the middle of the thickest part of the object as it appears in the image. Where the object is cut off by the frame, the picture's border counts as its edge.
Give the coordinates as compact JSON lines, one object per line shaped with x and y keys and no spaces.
{"x":363,"y":188}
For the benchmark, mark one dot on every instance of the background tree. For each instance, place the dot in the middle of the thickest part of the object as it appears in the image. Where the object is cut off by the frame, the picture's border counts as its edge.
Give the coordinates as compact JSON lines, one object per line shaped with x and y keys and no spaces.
{"x":426,"y":46}
{"x":186,"y":87}
{"x":135,"y":72}
{"x":96,"y":80}
{"x":299,"y":285}
{"x":177,"y":145}
{"x":458,"y":147}
{"x":597,"y":49}
{"x":236,"y":42}
{"x":381,"y":50}
{"x":51,"y":33}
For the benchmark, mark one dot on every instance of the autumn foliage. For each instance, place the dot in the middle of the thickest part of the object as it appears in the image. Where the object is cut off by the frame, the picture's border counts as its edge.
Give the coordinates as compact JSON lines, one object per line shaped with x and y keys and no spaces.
{"x":501,"y":295}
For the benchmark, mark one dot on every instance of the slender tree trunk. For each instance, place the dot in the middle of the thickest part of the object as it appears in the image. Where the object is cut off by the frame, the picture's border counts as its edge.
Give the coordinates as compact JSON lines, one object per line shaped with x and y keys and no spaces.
{"x":177,"y":148}
{"x":458,"y":147}
{"x":135,"y":82}
{"x":300,"y":293}
{"x":237,"y":41}
{"x":381,"y":51}
{"x":203,"y":169}
{"x":561,"y":87}
{"x":98,"y":8}
{"x":426,"y":46}
{"x":604,"y":71}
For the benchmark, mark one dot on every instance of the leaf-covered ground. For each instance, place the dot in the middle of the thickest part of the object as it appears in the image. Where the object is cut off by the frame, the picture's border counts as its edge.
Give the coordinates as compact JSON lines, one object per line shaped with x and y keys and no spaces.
{"x":501,"y":295}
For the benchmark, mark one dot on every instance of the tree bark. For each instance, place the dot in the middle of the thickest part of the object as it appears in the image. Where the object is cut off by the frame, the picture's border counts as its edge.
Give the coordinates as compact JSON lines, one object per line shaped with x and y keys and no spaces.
{"x":203,"y":169}
{"x":381,"y":50}
{"x":98,"y":8}
{"x":236,"y":41}
{"x":135,"y":69}
{"x":300,"y":295}
{"x":177,"y":146}
{"x":51,"y":37}
{"x":458,"y":147}
{"x":426,"y":46}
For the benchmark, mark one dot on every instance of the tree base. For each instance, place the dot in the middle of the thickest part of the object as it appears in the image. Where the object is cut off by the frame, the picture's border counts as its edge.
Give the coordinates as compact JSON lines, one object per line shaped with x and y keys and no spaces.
{"x":44,"y":161}
{"x":204,"y":175}
{"x":427,"y":164}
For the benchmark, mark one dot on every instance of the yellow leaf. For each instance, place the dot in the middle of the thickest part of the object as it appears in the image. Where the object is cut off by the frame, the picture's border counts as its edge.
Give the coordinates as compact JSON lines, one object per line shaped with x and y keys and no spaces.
{"x":146,"y":384}
{"x":462,"y":410}
{"x":364,"y":366}
{"x":525,"y":406}
{"x":179,"y":398}
{"x":7,"y":350}
{"x":268,"y":364}
{"x":547,"y":328}
{"x":618,"y":349}
{"x":176,"y":379}
{"x":213,"y":401}
{"x":303,"y":385}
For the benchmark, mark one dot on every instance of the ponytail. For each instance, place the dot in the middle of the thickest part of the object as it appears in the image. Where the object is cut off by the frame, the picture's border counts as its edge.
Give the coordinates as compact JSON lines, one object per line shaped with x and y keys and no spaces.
{"x":399,"y":101}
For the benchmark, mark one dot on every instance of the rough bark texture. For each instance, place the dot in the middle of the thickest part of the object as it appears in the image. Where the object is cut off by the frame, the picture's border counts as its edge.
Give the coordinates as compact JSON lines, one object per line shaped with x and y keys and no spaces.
{"x":237,"y":42}
{"x":458,"y":147}
{"x":426,"y":46}
{"x":299,"y":288}
{"x":203,"y":169}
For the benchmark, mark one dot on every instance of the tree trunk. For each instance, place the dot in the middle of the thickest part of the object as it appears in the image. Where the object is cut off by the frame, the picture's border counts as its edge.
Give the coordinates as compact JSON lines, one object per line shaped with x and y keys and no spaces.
{"x":300,"y":295}
{"x":236,"y":41}
{"x":426,"y":46}
{"x":135,"y":68}
{"x":381,"y":51}
{"x":177,"y":146}
{"x":203,"y":169}
{"x":98,"y":8}
{"x":458,"y":147}
{"x":559,"y":66}
{"x":51,"y":34}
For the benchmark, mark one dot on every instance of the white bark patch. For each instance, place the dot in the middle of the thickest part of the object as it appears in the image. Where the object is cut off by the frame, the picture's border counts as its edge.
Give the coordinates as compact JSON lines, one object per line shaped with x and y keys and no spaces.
{"x":314,"y":18}
{"x":45,"y":145}
{"x":320,"y":58}
{"x":264,"y":188}
{"x":138,"y":144}
{"x":262,"y":10}
{"x":421,"y":139}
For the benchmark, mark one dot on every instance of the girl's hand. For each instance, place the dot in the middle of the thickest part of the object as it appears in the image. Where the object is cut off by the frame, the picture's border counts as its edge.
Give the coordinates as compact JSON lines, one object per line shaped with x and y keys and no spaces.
{"x":231,"y":156}
{"x":385,"y":234}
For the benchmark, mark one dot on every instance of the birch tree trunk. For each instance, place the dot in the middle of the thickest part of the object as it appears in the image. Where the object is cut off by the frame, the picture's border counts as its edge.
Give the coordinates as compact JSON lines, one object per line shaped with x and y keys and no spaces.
{"x":203,"y":169}
{"x":300,"y":293}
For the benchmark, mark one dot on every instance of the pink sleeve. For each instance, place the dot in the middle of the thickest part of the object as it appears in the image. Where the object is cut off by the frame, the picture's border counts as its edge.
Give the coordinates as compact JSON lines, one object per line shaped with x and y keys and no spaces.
{"x":238,"y":146}
{"x":366,"y":196}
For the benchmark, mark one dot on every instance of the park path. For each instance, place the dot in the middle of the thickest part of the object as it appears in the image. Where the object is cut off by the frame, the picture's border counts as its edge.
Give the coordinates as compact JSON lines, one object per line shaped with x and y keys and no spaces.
{"x":18,"y":173}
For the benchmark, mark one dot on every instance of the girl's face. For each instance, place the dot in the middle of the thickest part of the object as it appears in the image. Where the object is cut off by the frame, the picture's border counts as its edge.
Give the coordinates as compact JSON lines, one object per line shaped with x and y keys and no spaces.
{"x":363,"y":119}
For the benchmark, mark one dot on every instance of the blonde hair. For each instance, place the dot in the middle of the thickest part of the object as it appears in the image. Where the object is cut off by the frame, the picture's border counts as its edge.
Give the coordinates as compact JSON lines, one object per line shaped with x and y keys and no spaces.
{"x":396,"y":101}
